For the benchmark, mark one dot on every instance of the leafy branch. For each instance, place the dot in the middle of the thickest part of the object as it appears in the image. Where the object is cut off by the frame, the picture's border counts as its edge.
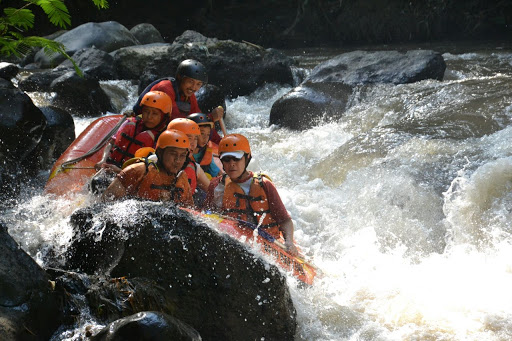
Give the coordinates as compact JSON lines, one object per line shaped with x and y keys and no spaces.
{"x":15,"y":21}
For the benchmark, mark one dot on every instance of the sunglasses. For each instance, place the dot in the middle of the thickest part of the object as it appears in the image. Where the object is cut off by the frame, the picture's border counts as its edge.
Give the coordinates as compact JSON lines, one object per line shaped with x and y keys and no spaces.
{"x":230,"y":158}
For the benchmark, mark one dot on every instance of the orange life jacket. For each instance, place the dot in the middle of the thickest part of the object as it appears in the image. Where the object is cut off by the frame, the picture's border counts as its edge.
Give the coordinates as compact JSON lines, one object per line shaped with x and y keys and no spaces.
{"x":129,"y":139}
{"x":159,"y":185}
{"x":253,"y":208}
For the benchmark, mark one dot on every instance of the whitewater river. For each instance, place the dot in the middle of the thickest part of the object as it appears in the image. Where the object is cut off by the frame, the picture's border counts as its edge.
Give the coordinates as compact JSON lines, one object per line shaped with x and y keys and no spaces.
{"x":405,"y":204}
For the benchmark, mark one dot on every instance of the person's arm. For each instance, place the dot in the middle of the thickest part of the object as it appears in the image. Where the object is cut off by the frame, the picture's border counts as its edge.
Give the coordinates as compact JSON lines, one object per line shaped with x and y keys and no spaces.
{"x":116,"y":190}
{"x":106,"y":153}
{"x":287,"y":230}
{"x":280,"y":215}
{"x":202,"y":180}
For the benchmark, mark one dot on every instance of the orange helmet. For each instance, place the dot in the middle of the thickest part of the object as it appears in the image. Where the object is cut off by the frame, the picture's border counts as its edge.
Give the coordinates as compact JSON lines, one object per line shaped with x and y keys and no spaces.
{"x":159,"y":100}
{"x":173,"y":138}
{"x":144,"y":152}
{"x":185,"y":125}
{"x":234,"y":143}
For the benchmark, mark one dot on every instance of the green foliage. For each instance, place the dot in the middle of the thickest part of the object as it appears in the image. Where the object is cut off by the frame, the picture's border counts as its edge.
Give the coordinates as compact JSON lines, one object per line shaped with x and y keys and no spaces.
{"x":15,"y":21}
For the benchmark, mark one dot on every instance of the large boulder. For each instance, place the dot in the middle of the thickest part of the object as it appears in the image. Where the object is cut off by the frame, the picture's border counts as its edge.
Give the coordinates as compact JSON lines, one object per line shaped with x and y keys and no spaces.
{"x":21,"y":127}
{"x":106,"y":36}
{"x":363,"y":67}
{"x":236,"y":68}
{"x":94,"y":63}
{"x":82,"y":96}
{"x":57,"y":136}
{"x":40,"y":81}
{"x":210,"y":97}
{"x":203,"y":278}
{"x":29,"y":308}
{"x":146,"y":34}
{"x":325,"y":93}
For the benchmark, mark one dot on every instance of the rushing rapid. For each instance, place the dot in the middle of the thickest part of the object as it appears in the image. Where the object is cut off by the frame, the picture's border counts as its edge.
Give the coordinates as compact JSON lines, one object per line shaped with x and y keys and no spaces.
{"x":404,"y":203}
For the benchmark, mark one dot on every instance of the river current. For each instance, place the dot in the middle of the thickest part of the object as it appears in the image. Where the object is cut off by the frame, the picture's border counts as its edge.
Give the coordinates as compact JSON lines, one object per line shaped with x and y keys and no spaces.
{"x":404,"y":203}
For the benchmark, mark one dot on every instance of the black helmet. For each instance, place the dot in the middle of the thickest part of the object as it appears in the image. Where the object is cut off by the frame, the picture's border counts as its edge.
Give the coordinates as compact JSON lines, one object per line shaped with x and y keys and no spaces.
{"x":193,"y":69}
{"x":200,"y":119}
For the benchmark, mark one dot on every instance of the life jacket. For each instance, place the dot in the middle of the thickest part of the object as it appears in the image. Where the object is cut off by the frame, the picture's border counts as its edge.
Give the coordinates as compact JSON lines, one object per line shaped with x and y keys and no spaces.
{"x":253,"y":207}
{"x":159,"y":185}
{"x":191,"y":171}
{"x":129,"y":139}
{"x":207,"y":155}
{"x":184,"y":107}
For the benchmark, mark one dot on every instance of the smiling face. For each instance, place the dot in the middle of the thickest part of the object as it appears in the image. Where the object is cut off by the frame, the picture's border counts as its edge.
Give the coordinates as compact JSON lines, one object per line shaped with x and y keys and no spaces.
{"x":233,"y":167}
{"x":173,"y":159}
{"x":151,"y":116}
{"x":205,"y":135}
{"x":189,"y":86}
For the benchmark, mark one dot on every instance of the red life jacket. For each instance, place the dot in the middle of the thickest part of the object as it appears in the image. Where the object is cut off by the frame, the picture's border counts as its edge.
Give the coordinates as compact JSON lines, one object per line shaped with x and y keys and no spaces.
{"x":253,"y":207}
{"x":191,"y":172}
{"x":129,"y":139}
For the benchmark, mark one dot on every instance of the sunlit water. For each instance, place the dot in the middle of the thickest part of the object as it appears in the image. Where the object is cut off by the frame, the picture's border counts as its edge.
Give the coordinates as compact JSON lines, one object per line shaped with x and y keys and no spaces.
{"x":405,"y":204}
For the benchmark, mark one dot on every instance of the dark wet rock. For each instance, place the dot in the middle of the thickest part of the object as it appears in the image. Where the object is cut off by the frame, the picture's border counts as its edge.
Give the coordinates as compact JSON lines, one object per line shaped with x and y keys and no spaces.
{"x":5,"y":84}
{"x":147,"y":325}
{"x":29,"y":308}
{"x":236,"y":68}
{"x":183,"y":268}
{"x":81,"y":96}
{"x":106,"y":36}
{"x":210,"y":97}
{"x":131,"y":62}
{"x":40,"y":80}
{"x":57,"y":136}
{"x":94,"y":63}
{"x":364,"y":67}
{"x":22,"y":125}
{"x":320,"y":95}
{"x":8,"y":70}
{"x":307,"y":105}
{"x":146,"y":34}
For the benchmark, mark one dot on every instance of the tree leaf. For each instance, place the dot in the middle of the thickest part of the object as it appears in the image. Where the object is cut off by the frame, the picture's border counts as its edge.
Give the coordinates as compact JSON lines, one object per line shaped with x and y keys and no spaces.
{"x":56,"y":11}
{"x":20,"y":18}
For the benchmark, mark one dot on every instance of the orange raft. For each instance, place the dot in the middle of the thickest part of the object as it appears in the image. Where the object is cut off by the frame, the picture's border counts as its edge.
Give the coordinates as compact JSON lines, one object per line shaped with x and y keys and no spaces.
{"x":73,"y":170}
{"x":245,"y":232}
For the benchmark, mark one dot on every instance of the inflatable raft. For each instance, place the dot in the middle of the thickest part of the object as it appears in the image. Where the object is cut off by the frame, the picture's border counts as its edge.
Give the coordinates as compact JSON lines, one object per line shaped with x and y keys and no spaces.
{"x":75,"y":167}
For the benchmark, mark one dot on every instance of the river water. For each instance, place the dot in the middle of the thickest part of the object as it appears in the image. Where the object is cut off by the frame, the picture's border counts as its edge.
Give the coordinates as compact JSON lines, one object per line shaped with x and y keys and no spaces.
{"x":404,"y":203}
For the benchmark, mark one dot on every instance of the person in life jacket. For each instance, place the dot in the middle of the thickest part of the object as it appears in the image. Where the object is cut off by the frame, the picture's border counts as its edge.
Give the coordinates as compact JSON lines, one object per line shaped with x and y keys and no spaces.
{"x":138,"y":132}
{"x":206,"y":149}
{"x":246,"y":196}
{"x":163,"y":179}
{"x":190,"y":76}
{"x":198,"y":180}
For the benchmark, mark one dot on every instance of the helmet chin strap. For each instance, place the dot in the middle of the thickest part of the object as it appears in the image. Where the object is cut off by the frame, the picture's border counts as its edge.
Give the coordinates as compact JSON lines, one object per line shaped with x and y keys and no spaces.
{"x":247,"y":160}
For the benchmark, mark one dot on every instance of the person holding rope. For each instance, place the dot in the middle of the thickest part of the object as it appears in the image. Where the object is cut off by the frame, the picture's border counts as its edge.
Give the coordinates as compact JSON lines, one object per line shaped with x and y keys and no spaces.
{"x":163,"y":179}
{"x":246,"y":196}
{"x":190,"y":75}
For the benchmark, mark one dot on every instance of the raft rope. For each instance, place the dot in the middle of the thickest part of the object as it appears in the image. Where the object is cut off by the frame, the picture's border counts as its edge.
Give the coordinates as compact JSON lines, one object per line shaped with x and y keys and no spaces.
{"x":67,"y":165}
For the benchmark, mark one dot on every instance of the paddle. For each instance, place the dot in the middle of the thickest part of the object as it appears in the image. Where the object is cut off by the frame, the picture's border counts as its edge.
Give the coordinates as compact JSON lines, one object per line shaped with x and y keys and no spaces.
{"x":263,"y":234}
{"x":221,"y":122}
